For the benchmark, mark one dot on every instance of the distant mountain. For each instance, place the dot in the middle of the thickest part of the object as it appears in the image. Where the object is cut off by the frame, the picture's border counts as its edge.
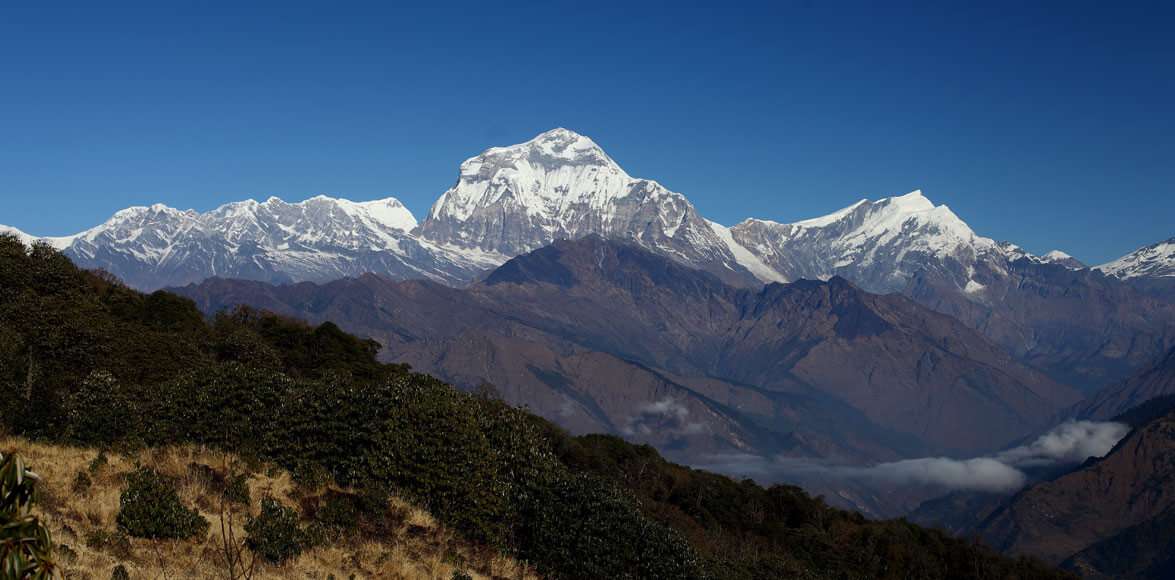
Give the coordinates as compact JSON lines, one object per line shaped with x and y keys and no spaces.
{"x":1100,"y":518}
{"x":879,"y":245}
{"x":1153,"y":261}
{"x":1079,"y":326}
{"x":600,"y":335}
{"x":320,"y":239}
{"x":1062,"y":259}
{"x":1153,"y":382}
{"x":1150,"y":268}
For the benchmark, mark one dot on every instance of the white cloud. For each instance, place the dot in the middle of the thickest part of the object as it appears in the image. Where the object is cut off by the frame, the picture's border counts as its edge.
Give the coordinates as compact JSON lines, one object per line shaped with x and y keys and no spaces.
{"x":1069,"y":443}
{"x":663,"y":416}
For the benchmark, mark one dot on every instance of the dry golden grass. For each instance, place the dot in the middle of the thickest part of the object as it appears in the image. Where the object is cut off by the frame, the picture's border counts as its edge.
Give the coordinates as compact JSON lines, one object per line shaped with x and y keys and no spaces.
{"x":419,"y":549}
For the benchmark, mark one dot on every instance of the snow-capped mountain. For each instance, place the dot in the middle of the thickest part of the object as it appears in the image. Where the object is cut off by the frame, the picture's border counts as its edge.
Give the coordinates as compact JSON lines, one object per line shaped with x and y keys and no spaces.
{"x":879,"y":245}
{"x":1062,"y":259}
{"x":1153,"y":261}
{"x":561,"y":185}
{"x":319,"y":239}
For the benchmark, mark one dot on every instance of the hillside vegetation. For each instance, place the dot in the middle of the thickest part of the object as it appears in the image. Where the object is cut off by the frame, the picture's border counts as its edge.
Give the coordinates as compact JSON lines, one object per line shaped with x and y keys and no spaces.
{"x":86,"y":361}
{"x":80,"y":493}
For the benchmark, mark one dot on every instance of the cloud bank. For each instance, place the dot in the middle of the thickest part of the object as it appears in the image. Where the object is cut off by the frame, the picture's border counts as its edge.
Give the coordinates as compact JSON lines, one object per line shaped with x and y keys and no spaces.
{"x":1069,"y":443}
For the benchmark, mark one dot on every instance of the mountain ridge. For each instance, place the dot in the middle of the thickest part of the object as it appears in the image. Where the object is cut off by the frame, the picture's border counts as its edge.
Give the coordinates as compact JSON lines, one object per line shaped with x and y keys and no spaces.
{"x":696,"y":361}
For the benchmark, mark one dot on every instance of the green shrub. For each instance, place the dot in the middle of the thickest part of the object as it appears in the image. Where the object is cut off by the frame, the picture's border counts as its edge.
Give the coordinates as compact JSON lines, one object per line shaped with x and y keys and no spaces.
{"x":461,"y":575}
{"x":236,"y":488}
{"x":275,"y":534}
{"x":101,"y":411}
{"x":120,"y":573}
{"x":339,"y":511}
{"x":150,"y":508}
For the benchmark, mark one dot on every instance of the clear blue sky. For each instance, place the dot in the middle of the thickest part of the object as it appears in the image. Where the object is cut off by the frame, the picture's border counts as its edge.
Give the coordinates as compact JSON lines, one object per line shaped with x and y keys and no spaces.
{"x":1050,"y":124}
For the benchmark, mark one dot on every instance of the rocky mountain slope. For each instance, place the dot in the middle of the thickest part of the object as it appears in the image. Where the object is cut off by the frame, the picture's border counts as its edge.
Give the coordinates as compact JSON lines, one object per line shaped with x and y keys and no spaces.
{"x":687,"y":362}
{"x":1131,"y":486}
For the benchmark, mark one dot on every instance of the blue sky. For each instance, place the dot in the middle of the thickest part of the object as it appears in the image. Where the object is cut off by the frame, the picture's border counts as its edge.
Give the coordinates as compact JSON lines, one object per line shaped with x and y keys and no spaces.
{"x":1050,"y":124}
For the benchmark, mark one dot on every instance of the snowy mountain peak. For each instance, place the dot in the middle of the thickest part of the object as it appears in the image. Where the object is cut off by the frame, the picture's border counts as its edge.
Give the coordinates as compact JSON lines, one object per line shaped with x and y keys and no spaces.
{"x":558,"y":185}
{"x":548,"y":151}
{"x":910,"y":202}
{"x":1062,"y":259}
{"x":1153,"y":261}
{"x":570,"y":147}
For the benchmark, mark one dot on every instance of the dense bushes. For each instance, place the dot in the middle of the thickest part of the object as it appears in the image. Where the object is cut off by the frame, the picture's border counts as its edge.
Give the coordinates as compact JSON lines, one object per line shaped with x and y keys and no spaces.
{"x":582,"y":520}
{"x":150,"y":508}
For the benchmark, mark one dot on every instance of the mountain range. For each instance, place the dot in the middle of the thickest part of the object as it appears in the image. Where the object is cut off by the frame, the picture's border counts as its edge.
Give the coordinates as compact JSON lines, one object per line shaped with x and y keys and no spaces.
{"x":1084,"y":327}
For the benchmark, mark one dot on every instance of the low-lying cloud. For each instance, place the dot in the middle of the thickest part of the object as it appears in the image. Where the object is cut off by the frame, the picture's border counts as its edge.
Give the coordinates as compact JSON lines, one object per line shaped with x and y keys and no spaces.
{"x":662,"y":416}
{"x":1069,"y":443}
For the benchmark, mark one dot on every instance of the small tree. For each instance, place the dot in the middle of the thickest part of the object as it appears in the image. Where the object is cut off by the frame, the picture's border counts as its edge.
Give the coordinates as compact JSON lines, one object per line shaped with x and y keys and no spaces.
{"x":102,"y":411}
{"x":26,"y":550}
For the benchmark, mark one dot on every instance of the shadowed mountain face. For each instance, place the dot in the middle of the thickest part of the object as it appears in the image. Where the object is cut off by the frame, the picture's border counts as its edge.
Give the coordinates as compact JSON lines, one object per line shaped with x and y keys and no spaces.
{"x":1100,"y":515}
{"x":1080,"y":326}
{"x":605,"y":336}
{"x":1153,"y":382}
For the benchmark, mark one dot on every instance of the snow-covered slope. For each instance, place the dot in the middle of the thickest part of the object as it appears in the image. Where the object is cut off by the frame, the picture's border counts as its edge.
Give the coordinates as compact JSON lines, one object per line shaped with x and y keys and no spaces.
{"x":319,"y":239}
{"x":1153,"y":261}
{"x":57,"y":242}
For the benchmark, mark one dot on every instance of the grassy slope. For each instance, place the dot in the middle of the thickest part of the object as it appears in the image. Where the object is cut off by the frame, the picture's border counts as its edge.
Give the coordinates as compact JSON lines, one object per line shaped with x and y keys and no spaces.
{"x":417,"y":546}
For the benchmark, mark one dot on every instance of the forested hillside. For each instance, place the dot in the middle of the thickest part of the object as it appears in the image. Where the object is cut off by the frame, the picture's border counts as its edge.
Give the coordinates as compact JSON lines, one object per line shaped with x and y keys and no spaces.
{"x":87,"y":361}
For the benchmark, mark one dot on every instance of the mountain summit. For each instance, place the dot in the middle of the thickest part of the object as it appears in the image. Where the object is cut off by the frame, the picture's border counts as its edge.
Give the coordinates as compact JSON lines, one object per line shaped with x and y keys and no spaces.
{"x":561,"y":185}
